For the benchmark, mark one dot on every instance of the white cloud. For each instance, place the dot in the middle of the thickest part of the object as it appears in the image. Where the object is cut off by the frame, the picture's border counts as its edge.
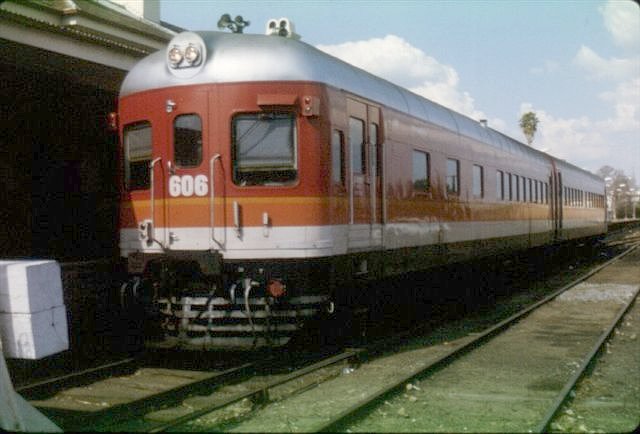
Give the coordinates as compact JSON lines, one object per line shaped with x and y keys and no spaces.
{"x":614,"y":139}
{"x":396,"y":60}
{"x":622,"y":20}
{"x":566,"y":138}
{"x":626,"y":104}
{"x":600,"y":68}
{"x":590,"y":144}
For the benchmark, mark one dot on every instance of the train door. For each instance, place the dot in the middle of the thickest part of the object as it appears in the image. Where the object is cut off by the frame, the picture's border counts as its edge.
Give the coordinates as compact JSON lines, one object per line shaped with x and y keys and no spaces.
{"x":555,"y":182}
{"x":364,"y":177}
{"x":187,"y":172}
{"x":376,"y":153}
{"x":559,"y":204}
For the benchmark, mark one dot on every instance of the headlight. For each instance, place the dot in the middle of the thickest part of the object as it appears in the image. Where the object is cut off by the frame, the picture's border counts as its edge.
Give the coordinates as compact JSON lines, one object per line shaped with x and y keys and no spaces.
{"x":191,"y":54}
{"x":185,"y":55}
{"x":175,"y":56}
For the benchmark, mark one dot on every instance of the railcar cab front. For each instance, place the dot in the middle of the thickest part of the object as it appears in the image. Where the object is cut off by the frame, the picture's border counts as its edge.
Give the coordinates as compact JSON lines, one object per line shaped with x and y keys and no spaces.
{"x":212,"y":178}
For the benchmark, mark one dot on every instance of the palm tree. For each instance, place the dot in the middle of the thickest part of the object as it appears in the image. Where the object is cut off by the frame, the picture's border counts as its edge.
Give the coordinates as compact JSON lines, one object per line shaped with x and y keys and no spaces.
{"x":529,"y":124}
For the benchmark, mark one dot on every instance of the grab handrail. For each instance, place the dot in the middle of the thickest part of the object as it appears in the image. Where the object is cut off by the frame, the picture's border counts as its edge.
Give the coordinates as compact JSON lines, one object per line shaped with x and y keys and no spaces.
{"x":151,"y":180}
{"x":212,"y":162}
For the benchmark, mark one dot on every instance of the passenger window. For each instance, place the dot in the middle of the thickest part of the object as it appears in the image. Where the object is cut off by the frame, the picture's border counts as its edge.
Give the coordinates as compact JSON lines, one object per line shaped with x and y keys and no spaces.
{"x":187,"y":140}
{"x":337,"y":157}
{"x":356,"y":146}
{"x":516,"y":187}
{"x":138,"y":146}
{"x":264,"y":149}
{"x":507,"y":186}
{"x":373,"y":138}
{"x":453,"y":176}
{"x":420,"y":171}
{"x":478,"y":181}
{"x":499,"y":185}
{"x":572,"y":199}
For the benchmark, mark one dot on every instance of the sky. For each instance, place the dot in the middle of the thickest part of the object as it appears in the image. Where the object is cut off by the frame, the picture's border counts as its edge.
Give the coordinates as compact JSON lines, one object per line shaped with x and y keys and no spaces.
{"x":576,"y":64}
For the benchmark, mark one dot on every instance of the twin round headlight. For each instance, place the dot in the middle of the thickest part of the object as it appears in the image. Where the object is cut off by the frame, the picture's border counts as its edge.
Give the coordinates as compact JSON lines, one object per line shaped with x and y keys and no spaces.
{"x":186,"y":55}
{"x":190,"y":55}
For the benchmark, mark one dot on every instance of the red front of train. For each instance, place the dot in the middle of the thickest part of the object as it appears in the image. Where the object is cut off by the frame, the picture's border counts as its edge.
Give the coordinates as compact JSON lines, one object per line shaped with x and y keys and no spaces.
{"x":216,"y":178}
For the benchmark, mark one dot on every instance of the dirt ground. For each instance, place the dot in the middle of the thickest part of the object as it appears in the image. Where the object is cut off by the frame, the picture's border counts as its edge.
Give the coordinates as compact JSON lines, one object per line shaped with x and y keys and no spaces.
{"x":608,"y":399}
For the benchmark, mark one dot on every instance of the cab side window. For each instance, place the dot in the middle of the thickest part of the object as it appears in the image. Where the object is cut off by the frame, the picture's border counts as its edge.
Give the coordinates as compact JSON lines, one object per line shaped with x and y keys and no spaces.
{"x":138,"y":146}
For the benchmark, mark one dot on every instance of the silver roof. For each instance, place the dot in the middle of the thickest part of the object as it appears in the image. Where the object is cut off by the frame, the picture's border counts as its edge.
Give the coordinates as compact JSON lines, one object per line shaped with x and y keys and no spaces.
{"x":233,"y":58}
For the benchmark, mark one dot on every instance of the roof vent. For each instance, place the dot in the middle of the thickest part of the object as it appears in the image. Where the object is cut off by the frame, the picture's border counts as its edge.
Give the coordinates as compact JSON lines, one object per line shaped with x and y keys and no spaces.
{"x":281,"y":27}
{"x":484,"y":123}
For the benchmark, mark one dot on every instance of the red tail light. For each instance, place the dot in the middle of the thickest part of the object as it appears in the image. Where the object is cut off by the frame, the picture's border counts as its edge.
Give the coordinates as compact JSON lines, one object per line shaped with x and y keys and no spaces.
{"x":276,"y":288}
{"x":112,"y":121}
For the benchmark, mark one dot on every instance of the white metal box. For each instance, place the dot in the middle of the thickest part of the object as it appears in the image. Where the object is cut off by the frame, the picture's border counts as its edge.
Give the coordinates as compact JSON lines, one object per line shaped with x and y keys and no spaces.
{"x":34,"y":335}
{"x":33,"y":318}
{"x":29,"y":286}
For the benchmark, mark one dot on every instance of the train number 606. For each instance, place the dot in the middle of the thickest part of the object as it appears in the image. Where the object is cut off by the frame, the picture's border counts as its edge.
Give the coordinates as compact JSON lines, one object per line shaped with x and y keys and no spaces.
{"x":187,"y":185}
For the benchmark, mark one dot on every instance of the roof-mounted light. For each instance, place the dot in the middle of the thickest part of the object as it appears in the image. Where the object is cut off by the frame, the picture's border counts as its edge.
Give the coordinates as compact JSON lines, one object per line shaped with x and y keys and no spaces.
{"x":281,"y":27}
{"x":192,"y":54}
{"x":175,"y":56}
{"x":186,"y":55}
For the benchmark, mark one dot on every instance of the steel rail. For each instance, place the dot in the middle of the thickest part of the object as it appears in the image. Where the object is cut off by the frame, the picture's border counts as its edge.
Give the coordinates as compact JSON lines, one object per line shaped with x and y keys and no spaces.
{"x":75,"y":378}
{"x":624,"y":241}
{"x":586,"y":362}
{"x":115,"y":414}
{"x":341,"y":418}
{"x":261,"y":393}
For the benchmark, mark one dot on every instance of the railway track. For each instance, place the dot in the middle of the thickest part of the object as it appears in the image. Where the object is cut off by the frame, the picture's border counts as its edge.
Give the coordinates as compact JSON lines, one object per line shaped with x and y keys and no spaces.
{"x":119,"y":391}
{"x":152,"y":409}
{"x":127,"y":396}
{"x":423,"y":381}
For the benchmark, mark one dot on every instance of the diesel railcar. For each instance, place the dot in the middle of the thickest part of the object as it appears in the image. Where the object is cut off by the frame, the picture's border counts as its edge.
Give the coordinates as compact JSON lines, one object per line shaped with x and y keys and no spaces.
{"x":263,"y":179}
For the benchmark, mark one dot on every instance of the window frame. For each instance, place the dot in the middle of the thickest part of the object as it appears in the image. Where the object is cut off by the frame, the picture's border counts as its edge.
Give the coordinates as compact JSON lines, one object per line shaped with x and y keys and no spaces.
{"x":374,"y":142}
{"x":507,"y":186}
{"x":341,"y":161}
{"x":474,"y":177}
{"x":499,"y":184}
{"x":177,"y":162}
{"x":287,"y":181}
{"x":456,"y":177}
{"x":361,"y":147}
{"x":128,"y":161}
{"x":427,"y":161}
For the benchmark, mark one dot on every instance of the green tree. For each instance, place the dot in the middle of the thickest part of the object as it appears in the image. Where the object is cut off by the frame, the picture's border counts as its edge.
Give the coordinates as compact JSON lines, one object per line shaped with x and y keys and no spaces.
{"x":622,"y":192}
{"x":529,"y":124}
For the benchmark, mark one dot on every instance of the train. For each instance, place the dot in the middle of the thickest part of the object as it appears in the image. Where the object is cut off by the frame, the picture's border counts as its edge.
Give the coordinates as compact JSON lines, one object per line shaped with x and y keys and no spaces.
{"x":263,"y":182}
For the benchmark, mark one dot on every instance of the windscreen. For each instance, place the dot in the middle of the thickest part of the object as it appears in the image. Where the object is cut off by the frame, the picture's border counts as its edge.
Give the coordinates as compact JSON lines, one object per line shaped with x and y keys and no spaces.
{"x":264,"y":149}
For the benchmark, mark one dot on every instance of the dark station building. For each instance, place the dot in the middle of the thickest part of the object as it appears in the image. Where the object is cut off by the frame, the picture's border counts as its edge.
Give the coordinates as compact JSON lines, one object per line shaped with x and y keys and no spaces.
{"x":62,"y":63}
